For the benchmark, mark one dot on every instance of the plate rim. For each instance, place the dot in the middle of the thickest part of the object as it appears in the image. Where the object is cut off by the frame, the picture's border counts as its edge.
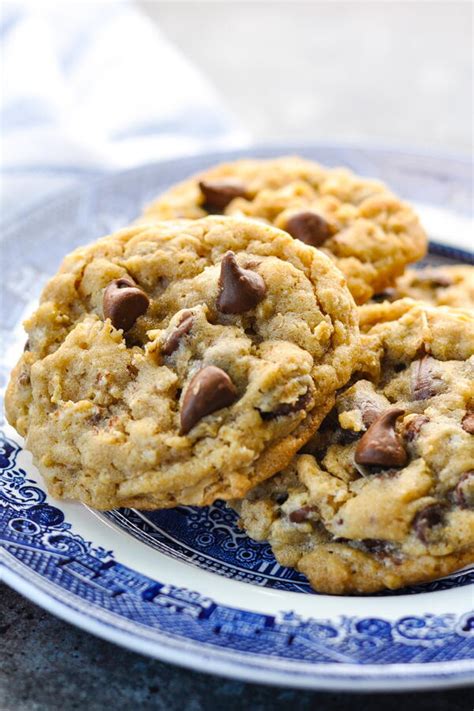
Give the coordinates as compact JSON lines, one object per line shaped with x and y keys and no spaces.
{"x":191,"y":659}
{"x":184,"y":655}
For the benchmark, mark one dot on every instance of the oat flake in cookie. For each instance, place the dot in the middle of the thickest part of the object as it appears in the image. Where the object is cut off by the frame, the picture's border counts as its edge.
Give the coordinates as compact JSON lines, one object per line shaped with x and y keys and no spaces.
{"x":181,"y":362}
{"x":369,"y":232}
{"x":386,"y":496}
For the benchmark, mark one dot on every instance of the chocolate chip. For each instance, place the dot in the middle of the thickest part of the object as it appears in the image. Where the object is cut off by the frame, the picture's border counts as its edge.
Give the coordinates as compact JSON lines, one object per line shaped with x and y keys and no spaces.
{"x":302,"y":514}
{"x":468,"y":422}
{"x":369,"y":404}
{"x":464,"y":491}
{"x":280,"y":498}
{"x":239,"y":289}
{"x":209,"y":390}
{"x":124,"y":302}
{"x":183,"y":327}
{"x":369,"y":414}
{"x":389,"y":294}
{"x":423,"y":384}
{"x":287,"y":408}
{"x":24,"y":378}
{"x":427,"y":519}
{"x":95,"y":418}
{"x":218,"y":194}
{"x":399,"y":367}
{"x":132,"y":371}
{"x":412,"y":429}
{"x":381,"y":445}
{"x":309,"y":228}
{"x":376,"y":546}
{"x":343,"y":436}
{"x":26,"y":347}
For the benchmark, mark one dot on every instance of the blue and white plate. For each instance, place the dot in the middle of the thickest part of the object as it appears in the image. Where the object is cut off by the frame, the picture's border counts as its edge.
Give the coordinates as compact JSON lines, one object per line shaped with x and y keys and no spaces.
{"x":186,"y":585}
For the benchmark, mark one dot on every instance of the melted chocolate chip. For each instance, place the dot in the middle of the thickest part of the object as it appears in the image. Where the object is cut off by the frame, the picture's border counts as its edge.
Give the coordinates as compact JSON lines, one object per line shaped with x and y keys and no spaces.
{"x":464,"y":491}
{"x":218,"y":194}
{"x":381,"y":445}
{"x":210,"y":389}
{"x":182,"y":328}
{"x":412,"y":429}
{"x":124,"y":302}
{"x":423,"y":384}
{"x":287,"y":408}
{"x":280,"y":498}
{"x":468,"y":422}
{"x":301,"y":515}
{"x":309,"y":228}
{"x":427,"y":519}
{"x":239,"y":289}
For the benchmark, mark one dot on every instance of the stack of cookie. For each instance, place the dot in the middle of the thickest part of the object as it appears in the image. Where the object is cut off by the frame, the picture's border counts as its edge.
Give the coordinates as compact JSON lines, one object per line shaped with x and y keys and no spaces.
{"x":255,"y":337}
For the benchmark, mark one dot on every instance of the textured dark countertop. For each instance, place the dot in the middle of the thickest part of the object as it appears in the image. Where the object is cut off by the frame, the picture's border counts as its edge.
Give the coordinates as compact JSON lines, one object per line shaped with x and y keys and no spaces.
{"x":47,"y":665}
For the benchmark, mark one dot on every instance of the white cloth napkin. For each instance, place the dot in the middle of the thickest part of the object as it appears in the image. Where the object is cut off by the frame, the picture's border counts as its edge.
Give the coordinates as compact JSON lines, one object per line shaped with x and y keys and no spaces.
{"x":91,"y":87}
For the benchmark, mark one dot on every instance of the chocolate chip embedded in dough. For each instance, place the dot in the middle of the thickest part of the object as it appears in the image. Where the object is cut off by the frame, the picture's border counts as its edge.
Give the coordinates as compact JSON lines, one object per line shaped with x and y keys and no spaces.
{"x":424,"y":385}
{"x":301,"y":515}
{"x":287,"y":408}
{"x":210,"y":389}
{"x":308,"y":227}
{"x":124,"y":302}
{"x":468,"y":422}
{"x":413,"y":427}
{"x":427,"y":519}
{"x":464,"y":491}
{"x":24,"y":378}
{"x":218,"y":194}
{"x":239,"y":289}
{"x":389,"y":294}
{"x":381,"y":445}
{"x":182,"y":328}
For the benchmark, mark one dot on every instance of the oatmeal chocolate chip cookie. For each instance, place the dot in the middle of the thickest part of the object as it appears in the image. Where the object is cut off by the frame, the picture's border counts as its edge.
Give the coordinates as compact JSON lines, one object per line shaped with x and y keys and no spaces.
{"x":369,"y":233}
{"x":181,"y":362}
{"x":385,"y":497}
{"x":447,"y":285}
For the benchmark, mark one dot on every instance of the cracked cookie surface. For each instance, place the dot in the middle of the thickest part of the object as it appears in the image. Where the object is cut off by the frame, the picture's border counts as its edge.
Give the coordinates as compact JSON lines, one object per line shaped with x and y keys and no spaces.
{"x":180,"y":362}
{"x":385,"y":495}
{"x":369,"y":232}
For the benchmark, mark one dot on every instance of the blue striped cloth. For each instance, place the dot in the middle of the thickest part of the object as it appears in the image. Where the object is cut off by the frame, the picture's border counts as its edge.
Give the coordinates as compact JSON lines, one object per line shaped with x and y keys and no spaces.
{"x":89,"y":88}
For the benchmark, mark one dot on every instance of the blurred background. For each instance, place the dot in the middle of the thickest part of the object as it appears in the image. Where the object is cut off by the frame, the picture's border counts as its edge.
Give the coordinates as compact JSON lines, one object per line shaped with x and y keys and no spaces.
{"x":384,"y":72}
{"x":103,"y":85}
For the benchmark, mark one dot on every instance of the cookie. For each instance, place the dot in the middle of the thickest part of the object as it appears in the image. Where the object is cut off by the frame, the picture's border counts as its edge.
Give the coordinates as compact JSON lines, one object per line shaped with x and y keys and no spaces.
{"x":180,"y":362}
{"x":370,"y":233}
{"x":447,"y":285}
{"x":385,"y":496}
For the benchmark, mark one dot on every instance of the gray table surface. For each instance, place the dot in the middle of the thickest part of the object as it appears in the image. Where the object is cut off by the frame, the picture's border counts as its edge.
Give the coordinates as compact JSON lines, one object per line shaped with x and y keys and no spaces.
{"x":46,"y":664}
{"x":396,"y":72}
